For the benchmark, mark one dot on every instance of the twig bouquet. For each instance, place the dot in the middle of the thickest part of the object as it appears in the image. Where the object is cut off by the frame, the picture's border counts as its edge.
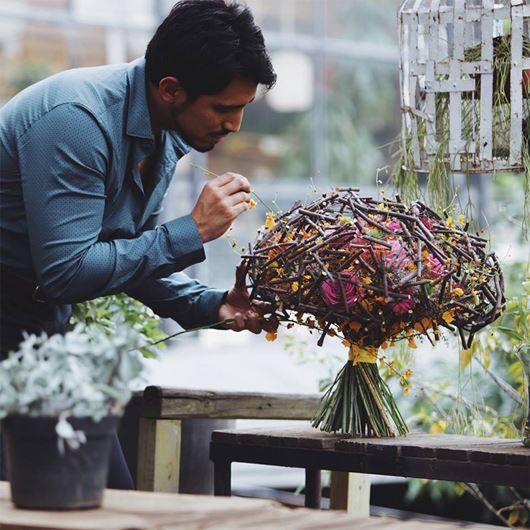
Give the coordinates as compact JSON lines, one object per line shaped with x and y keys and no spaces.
{"x":372,"y":272}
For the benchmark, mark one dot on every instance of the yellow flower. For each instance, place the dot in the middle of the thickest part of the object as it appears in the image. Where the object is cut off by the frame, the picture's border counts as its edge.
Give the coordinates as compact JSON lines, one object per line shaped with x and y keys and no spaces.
{"x":438,"y":427}
{"x":252,"y":204}
{"x":449,"y":222}
{"x":458,"y":292}
{"x":448,"y":317}
{"x":406,"y":390}
{"x":408,"y":373}
{"x":412,"y":343}
{"x":367,"y":280}
{"x":271,"y":336}
{"x":294,"y":287}
{"x":269,"y":220}
{"x":461,"y":219}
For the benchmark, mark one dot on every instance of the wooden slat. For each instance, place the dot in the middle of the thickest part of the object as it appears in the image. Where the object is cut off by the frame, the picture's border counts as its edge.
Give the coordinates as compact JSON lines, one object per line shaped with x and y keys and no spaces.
{"x":350,"y":492}
{"x":280,"y":437}
{"x":158,"y":466}
{"x":516,"y":78}
{"x":124,"y":510}
{"x":167,"y":403}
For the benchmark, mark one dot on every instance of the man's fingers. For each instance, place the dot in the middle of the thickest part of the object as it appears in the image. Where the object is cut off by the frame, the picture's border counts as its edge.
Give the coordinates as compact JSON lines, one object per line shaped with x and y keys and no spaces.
{"x":253,"y":322}
{"x":239,"y":322}
{"x":235,"y":184}
{"x":238,"y":209}
{"x":223,"y":179}
{"x":236,"y":198}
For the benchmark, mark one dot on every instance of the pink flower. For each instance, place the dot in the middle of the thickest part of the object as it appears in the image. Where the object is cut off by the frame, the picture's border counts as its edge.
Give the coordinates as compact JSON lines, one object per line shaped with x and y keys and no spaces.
{"x":434,"y":266}
{"x":397,"y":256}
{"x":394,"y":225}
{"x":331,"y":290}
{"x":402,"y":306}
{"x":426,"y":222}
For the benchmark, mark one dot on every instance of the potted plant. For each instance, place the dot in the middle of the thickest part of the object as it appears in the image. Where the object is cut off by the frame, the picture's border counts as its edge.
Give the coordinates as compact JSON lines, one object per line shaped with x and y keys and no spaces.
{"x":60,"y":402}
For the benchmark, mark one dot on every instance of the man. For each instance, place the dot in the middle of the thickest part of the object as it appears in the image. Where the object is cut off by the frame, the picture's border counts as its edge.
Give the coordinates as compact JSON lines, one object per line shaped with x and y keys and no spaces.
{"x":86,"y":158}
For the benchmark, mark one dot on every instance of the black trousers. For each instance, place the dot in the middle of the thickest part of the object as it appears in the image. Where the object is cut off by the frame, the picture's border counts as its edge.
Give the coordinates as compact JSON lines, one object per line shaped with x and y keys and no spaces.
{"x":19,"y":312}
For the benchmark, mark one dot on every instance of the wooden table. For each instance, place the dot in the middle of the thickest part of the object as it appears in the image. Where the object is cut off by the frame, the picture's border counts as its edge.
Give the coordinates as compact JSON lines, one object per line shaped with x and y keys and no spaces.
{"x":134,"y":510}
{"x":443,"y":457}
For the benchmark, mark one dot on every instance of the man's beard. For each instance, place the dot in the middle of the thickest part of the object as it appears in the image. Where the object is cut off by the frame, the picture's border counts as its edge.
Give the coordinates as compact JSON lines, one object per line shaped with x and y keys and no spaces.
{"x":175,"y":111}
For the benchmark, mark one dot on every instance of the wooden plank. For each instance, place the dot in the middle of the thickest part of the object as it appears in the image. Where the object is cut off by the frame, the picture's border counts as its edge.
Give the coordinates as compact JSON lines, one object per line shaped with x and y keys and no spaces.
{"x":516,"y":79}
{"x":159,"y":455}
{"x":486,"y":85}
{"x":123,"y":510}
{"x":308,"y":437}
{"x":168,"y":403}
{"x":350,"y":492}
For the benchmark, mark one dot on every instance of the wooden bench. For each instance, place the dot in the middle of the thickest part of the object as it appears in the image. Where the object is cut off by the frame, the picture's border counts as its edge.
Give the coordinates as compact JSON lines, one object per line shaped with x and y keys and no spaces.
{"x":444,"y":457}
{"x":159,"y":443}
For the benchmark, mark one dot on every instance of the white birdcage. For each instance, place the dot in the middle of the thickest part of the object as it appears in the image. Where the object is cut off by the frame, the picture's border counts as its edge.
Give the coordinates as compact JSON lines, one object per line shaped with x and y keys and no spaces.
{"x":465,"y":74}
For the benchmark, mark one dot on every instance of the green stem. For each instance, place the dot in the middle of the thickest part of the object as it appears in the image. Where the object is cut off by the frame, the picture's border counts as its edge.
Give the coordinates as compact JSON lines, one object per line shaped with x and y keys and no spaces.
{"x":214,"y":325}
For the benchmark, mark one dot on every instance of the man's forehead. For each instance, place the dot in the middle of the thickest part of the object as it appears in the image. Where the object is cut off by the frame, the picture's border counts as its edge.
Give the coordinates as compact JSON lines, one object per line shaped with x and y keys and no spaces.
{"x":239,"y":92}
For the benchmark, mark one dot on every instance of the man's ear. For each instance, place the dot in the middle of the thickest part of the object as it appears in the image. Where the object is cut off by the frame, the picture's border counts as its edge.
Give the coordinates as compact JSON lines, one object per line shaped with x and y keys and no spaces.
{"x":171,"y":91}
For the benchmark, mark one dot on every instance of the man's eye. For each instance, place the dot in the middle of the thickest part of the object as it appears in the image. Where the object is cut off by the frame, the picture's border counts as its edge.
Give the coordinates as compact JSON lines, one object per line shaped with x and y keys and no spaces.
{"x":223,"y":110}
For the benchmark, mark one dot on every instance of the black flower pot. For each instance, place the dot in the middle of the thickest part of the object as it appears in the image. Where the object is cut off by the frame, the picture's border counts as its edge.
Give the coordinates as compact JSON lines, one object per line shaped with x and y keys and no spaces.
{"x":43,"y":478}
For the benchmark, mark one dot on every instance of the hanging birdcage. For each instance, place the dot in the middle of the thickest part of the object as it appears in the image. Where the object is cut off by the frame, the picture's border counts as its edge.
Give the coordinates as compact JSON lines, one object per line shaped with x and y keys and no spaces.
{"x":465,"y":84}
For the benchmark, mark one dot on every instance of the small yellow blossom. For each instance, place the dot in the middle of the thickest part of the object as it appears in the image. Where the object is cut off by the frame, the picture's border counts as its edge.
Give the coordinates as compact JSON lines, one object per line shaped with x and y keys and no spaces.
{"x":458,"y":292}
{"x":269,"y":220}
{"x":252,"y":204}
{"x":408,"y":373}
{"x":438,"y":427}
{"x":412,"y":343}
{"x":450,"y":222}
{"x":271,"y":336}
{"x":294,"y":287}
{"x":461,"y":219}
{"x":448,"y":317}
{"x":406,"y":390}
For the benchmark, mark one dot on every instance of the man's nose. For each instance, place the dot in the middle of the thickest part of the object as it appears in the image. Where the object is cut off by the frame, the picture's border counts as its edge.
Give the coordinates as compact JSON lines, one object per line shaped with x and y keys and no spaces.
{"x":233,"y":123}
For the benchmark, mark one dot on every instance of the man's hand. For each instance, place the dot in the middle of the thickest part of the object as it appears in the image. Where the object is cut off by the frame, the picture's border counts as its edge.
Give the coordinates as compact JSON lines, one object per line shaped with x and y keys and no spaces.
{"x":237,"y":306}
{"x":220,"y":202}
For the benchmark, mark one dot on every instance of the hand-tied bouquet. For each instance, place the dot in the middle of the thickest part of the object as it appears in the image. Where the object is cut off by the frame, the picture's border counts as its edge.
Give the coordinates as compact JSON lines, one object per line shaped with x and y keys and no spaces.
{"x":372,"y":272}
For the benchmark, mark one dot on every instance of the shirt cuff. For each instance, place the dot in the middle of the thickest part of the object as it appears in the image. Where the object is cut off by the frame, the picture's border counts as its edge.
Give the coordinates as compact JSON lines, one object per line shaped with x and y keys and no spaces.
{"x":186,"y":242}
{"x":209,"y":303}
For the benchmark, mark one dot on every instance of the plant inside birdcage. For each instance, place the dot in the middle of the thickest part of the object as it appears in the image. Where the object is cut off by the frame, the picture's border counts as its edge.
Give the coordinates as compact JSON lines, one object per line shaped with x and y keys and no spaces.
{"x":436,"y":120}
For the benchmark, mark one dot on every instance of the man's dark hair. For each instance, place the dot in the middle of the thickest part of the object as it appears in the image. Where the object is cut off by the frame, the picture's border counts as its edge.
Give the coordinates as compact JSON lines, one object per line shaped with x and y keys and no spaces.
{"x":206,"y":44}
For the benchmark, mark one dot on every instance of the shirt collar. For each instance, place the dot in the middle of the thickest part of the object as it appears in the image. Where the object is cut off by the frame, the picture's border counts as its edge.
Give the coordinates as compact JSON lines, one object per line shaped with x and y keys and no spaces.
{"x":138,"y":121}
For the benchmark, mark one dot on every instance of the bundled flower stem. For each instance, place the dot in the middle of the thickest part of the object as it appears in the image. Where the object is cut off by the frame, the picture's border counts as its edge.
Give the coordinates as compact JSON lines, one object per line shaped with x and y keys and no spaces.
{"x":371,"y":272}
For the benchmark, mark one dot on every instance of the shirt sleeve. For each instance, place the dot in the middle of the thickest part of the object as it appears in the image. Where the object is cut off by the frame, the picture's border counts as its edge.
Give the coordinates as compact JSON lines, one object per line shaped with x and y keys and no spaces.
{"x":187,"y":301}
{"x":64,"y":157}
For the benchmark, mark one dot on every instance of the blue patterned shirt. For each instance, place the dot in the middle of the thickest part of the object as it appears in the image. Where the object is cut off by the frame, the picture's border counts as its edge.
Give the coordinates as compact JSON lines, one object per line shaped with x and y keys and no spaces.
{"x":75,"y":214}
